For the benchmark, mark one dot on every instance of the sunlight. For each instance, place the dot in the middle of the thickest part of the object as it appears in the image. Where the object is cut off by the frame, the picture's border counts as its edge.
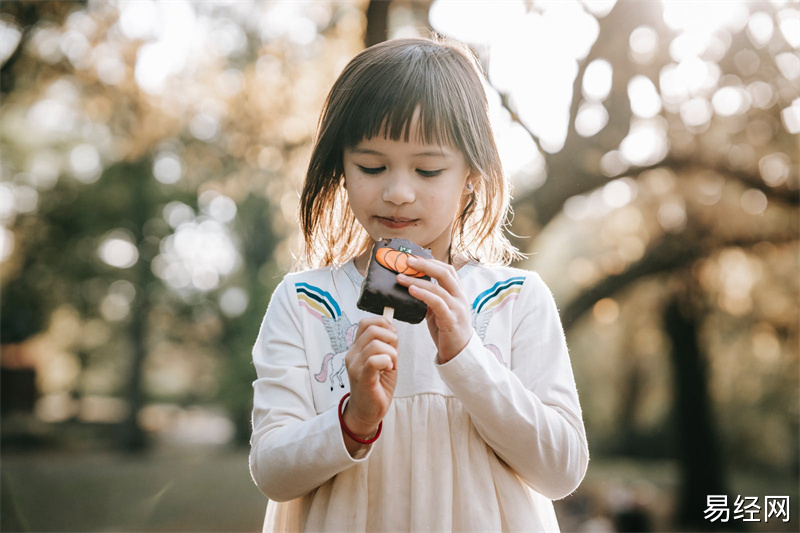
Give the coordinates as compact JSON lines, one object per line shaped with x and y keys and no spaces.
{"x":643,"y":44}
{"x":790,"y":26}
{"x":6,"y":243}
{"x":696,"y":114}
{"x":7,"y":202}
{"x":287,"y":20}
{"x":591,"y":119}
{"x":606,"y":311}
{"x":9,"y":38}
{"x":671,"y":214}
{"x":118,"y":249}
{"x":541,"y":92}
{"x":475,"y":22}
{"x":44,"y":168}
{"x":611,"y":164}
{"x":84,"y":161}
{"x":111,"y":69}
{"x":645,"y":144}
{"x":759,"y":28}
{"x":217,"y":205}
{"x":599,"y":8}
{"x":789,"y":65}
{"x":167,"y":168}
{"x":201,"y":252}
{"x":116,"y":304}
{"x":753,"y":201}
{"x":643,"y":96}
{"x":775,"y":168}
{"x":176,"y":213}
{"x":170,"y":33}
{"x":730,"y":100}
{"x":597,"y":80}
{"x":761,"y":94}
{"x":619,"y":192}
{"x":234,"y":301}
{"x":791,"y":117}
{"x":704,"y":17}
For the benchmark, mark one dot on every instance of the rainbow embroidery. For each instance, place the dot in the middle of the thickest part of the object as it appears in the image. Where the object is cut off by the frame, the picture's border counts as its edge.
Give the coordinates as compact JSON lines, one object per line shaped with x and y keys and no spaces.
{"x":318,"y":302}
{"x":491,"y":301}
{"x":498,"y":295}
{"x":322,"y":306}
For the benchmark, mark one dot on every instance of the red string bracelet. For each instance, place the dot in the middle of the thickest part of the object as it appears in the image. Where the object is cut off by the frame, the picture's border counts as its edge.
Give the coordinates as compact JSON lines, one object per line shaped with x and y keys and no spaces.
{"x":350,"y":433}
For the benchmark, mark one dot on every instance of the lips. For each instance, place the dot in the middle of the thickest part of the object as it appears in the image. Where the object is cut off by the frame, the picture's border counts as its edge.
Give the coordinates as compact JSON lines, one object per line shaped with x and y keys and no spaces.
{"x":396,"y":222}
{"x":399,"y":219}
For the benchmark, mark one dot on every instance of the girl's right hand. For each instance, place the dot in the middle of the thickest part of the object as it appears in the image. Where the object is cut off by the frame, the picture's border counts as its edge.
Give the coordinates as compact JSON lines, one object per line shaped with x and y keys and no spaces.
{"x":371,"y":365}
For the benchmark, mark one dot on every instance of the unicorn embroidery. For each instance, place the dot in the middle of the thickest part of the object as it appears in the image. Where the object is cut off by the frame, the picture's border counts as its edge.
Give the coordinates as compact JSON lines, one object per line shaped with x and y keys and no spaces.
{"x":489,"y":302}
{"x":322,"y":306}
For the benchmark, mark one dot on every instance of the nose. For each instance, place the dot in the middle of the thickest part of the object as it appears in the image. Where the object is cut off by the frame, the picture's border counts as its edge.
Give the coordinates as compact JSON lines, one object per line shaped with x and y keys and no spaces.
{"x":398,"y":189}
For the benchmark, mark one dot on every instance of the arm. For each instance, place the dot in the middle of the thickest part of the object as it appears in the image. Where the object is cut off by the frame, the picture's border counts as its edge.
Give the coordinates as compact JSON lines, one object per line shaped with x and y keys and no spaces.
{"x":528,"y":414}
{"x":293,"y":449}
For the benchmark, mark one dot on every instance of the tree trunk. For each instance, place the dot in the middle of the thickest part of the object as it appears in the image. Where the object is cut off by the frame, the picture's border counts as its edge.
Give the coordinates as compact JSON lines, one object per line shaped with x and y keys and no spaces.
{"x":377,"y":22}
{"x":698,"y":447}
{"x":132,"y":437}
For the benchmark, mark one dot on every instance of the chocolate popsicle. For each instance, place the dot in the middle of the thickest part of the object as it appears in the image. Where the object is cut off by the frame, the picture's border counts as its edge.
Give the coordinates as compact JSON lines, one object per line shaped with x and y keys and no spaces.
{"x":380,"y":291}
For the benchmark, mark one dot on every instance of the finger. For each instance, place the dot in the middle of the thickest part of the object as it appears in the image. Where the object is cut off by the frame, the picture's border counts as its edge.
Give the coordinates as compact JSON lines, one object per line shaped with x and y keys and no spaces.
{"x":373,"y":347}
{"x":435,"y":302}
{"x":425,"y":284}
{"x":377,"y":331}
{"x":377,"y":321}
{"x":378,"y":347}
{"x":364,"y":323}
{"x":378,"y":363}
{"x":445,"y":274}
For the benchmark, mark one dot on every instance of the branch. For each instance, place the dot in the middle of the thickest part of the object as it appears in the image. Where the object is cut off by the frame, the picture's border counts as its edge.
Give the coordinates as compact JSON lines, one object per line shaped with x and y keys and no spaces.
{"x":505,"y":101}
{"x":748,"y":179}
{"x":670,"y":253}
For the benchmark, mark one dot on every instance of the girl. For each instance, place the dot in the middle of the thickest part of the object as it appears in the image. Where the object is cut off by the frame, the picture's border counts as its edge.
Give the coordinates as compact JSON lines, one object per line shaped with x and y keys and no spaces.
{"x":469,"y":421}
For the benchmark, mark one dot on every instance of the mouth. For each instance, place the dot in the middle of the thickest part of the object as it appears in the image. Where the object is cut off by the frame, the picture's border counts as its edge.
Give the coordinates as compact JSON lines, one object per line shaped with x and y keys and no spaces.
{"x":396,"y":222}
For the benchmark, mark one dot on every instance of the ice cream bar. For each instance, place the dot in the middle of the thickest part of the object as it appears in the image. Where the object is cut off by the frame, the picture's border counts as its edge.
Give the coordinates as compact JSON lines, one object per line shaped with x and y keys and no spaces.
{"x":380,"y":289}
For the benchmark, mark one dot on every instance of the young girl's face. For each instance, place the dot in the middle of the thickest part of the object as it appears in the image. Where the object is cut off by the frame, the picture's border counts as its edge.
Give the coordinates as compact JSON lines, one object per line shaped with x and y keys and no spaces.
{"x":409,"y":190}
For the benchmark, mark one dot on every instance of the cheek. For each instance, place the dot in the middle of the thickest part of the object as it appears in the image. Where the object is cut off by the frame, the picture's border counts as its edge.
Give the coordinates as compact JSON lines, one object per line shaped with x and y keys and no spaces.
{"x":359,"y":195}
{"x":446,"y":196}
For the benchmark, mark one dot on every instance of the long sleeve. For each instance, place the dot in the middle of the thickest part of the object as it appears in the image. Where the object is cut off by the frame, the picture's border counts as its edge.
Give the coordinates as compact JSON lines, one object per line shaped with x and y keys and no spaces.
{"x":529,"y":413}
{"x":293,"y":449}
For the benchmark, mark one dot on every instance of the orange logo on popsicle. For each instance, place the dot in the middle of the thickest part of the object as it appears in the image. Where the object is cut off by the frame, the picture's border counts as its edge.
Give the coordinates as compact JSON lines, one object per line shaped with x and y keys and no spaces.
{"x":397,"y":261}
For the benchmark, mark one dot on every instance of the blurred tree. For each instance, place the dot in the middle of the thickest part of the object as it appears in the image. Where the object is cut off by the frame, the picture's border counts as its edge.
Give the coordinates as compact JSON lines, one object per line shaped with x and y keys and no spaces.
{"x":151,"y":173}
{"x":580,"y":167}
{"x":58,"y":247}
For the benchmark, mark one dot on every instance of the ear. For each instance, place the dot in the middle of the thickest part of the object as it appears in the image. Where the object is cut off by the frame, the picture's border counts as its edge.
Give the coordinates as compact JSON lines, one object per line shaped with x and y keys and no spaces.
{"x":469,"y":185}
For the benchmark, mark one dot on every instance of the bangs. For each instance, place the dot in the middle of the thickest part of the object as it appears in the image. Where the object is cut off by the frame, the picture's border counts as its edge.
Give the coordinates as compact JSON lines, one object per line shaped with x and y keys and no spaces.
{"x":390,"y":92}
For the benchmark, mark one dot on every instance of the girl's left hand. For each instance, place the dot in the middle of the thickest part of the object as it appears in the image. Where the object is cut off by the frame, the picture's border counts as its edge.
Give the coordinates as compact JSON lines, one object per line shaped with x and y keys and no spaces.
{"x":449,"y":317}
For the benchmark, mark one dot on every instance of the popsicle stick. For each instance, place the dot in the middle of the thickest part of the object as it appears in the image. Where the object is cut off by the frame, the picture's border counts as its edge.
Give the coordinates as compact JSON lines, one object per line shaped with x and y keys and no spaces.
{"x":388,"y":312}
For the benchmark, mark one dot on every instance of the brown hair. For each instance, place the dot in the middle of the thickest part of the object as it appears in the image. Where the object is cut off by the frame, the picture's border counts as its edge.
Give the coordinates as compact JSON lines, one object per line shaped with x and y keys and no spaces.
{"x":379,"y":90}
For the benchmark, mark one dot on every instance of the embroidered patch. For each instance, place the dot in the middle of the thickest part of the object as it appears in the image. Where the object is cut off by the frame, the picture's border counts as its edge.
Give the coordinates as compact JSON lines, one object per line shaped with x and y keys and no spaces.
{"x":324,"y":307}
{"x":498,"y":294}
{"x":491,"y":301}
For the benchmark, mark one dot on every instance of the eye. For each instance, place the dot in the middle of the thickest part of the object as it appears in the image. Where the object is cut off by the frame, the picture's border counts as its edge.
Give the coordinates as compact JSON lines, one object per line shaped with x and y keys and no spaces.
{"x":367,"y":170}
{"x":429,"y":173}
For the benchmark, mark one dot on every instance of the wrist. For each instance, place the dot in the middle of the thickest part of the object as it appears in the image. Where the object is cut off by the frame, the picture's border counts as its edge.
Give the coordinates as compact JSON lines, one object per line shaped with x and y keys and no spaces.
{"x":355,"y":428}
{"x":447,"y":355}
{"x":363,"y":430}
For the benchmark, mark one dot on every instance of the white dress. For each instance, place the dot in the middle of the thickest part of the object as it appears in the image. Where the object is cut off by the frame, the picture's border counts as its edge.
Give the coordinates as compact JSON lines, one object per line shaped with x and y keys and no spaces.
{"x":483,"y":442}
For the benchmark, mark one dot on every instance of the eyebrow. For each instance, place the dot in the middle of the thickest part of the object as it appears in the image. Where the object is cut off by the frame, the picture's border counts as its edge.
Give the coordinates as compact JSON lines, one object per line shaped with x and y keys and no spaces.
{"x":419,"y":154}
